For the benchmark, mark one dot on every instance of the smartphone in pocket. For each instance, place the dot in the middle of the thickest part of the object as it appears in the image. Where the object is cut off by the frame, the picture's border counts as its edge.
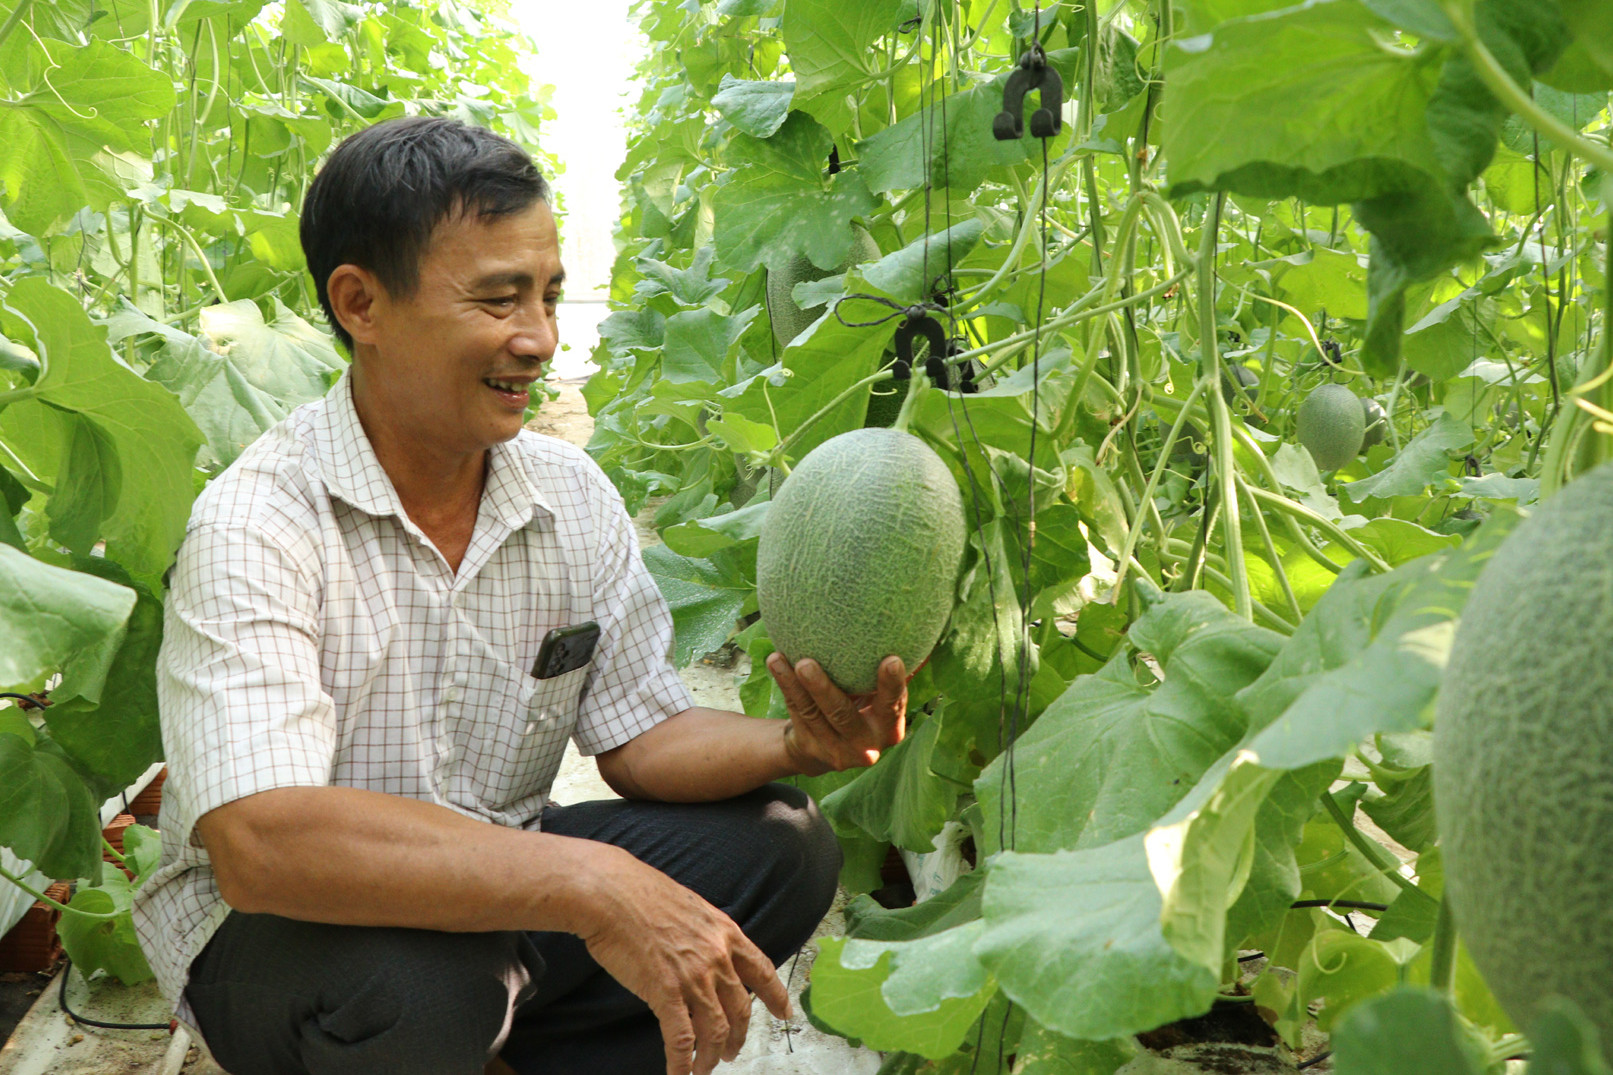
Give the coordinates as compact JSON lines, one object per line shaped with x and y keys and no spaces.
{"x":565,"y":649}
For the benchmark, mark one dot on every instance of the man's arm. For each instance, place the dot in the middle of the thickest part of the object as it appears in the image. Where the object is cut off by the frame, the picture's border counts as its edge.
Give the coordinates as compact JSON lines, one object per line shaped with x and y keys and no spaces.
{"x":703,"y":755}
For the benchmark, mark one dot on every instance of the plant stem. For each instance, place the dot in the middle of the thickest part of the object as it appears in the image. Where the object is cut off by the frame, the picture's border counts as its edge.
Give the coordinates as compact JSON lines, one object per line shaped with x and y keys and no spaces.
{"x":1442,"y":968}
{"x":1210,"y":374}
{"x":14,"y":18}
{"x":38,"y":895}
{"x":1374,"y":851}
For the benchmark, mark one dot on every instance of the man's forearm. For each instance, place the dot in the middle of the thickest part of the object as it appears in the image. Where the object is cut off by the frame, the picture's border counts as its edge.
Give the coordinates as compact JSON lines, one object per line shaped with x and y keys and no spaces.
{"x":701,"y":755}
{"x":348,"y":856}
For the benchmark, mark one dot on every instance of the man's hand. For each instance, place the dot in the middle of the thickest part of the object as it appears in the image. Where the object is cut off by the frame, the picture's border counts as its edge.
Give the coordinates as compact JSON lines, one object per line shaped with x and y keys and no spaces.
{"x":830,"y":730}
{"x":684,"y":958}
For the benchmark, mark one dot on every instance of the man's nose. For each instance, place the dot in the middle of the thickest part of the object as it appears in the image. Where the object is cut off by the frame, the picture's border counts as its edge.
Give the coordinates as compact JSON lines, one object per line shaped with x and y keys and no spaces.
{"x":537,"y":335}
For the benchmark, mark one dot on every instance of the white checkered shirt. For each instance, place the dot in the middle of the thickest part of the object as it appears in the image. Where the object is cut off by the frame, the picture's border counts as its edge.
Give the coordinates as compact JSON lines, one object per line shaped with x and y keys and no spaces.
{"x":314,"y":637}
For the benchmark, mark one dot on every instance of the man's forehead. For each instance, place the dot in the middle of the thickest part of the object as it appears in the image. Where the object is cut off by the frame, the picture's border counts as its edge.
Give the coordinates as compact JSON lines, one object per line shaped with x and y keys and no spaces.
{"x":515,"y":248}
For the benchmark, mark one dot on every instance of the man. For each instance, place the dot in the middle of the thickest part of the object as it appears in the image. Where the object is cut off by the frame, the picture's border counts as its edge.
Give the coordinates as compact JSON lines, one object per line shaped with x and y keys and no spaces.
{"x":361,"y":869}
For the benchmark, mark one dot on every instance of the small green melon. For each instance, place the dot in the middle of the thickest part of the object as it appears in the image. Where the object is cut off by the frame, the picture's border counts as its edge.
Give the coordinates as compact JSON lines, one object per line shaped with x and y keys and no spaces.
{"x":1331,"y":425}
{"x":790,"y":320}
{"x":1377,"y":420}
{"x":1523,"y":760}
{"x":858,"y":557}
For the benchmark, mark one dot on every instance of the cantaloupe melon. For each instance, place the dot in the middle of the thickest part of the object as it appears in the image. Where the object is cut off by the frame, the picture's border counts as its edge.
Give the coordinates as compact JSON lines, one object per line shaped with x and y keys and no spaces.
{"x":1377,"y":422}
{"x":788,"y":319}
{"x":1331,"y":425}
{"x":1523,"y":760}
{"x":858,"y":557}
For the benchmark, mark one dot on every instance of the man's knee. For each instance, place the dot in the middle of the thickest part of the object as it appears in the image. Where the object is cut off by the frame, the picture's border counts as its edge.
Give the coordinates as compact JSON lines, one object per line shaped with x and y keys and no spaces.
{"x":806,"y":853}
{"x":404,"y":1001}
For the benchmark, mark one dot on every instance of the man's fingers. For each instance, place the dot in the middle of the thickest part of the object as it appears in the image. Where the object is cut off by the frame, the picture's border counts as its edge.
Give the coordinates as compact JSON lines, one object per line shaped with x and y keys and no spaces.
{"x":890,"y":701}
{"x":711,"y":1030}
{"x":758,"y":972}
{"x":677,"y":1034}
{"x":795,"y":695}
{"x":736,"y":1005}
{"x":840,"y":710}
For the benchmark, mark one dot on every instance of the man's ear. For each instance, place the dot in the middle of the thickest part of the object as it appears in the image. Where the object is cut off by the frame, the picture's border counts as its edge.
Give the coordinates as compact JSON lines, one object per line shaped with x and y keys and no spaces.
{"x":356,"y":297}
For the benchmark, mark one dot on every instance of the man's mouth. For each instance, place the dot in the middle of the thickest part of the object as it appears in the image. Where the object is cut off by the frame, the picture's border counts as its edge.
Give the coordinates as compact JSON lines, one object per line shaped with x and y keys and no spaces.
{"x":515,"y":393}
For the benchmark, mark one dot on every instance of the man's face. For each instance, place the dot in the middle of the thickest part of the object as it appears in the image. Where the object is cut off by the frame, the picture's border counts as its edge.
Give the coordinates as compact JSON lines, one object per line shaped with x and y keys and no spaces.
{"x":454,"y":362}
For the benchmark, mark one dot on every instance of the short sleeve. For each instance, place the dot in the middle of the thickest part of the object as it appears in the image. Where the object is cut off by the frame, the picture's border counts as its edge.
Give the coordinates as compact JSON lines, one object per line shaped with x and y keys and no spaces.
{"x":633,"y":686}
{"x":238,"y":683}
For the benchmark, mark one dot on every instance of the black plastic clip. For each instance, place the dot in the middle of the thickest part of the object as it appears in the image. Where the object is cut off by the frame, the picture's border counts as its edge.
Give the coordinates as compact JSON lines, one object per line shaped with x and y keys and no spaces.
{"x":918,"y":323}
{"x":1033,"y":73}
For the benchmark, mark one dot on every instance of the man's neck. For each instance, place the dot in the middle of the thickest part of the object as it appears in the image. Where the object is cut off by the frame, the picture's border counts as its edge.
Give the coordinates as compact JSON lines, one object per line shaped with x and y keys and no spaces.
{"x":440,"y":491}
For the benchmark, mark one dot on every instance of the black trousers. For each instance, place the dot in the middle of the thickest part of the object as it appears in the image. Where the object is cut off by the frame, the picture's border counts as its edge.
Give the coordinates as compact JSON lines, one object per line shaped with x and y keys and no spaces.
{"x":277,"y":996}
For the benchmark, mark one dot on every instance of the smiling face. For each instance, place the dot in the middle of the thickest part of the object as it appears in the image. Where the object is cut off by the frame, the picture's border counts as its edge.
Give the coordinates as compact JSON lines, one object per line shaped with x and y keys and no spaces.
{"x":450,"y":366}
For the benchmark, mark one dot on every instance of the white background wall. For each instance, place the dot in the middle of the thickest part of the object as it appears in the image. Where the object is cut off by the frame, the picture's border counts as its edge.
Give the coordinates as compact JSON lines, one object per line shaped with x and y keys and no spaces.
{"x":586,"y":49}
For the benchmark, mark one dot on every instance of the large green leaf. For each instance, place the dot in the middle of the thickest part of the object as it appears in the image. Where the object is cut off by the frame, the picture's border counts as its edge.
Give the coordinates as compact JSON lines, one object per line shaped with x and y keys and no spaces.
{"x":1424,"y":461}
{"x":107,"y":944}
{"x":133,"y":418}
{"x":1406,"y":1032}
{"x":1111,"y":755}
{"x":1074,"y":937}
{"x":1368,"y":658}
{"x":828,"y":40}
{"x":757,"y":108}
{"x":782,"y":202}
{"x":95,"y":97}
{"x":706,"y":598}
{"x":961,"y":153}
{"x":57,"y":621}
{"x":118,"y":738}
{"x":47,"y":814}
{"x":898,"y":800}
{"x":918,"y":996}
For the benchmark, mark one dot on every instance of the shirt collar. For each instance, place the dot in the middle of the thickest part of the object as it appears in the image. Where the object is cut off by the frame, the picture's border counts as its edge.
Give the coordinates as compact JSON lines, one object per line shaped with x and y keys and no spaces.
{"x":351,"y":471}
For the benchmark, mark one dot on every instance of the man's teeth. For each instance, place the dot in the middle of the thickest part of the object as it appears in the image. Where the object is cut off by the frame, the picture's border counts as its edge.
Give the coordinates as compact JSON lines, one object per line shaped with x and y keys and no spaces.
{"x":506,"y":386}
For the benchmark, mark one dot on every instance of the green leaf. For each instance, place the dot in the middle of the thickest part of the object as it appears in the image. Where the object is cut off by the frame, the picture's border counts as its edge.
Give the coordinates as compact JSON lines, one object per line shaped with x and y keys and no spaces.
{"x":1046,"y":1052}
{"x":1423,"y":461}
{"x":118,"y":738}
{"x":47,"y":814}
{"x":920,"y":996}
{"x":1405,"y":1032}
{"x":98,"y":96}
{"x":89,"y":482}
{"x":1564,"y":1042}
{"x":140,"y":420}
{"x":1368,"y":658}
{"x":781,"y":203}
{"x":706,"y":599}
{"x":898,"y":800}
{"x":698,"y":342}
{"x":828,"y":40}
{"x":757,"y":108}
{"x":1111,"y":756}
{"x":54,"y":620}
{"x":1304,"y":101}
{"x":1074,"y":937}
{"x":107,"y":944}
{"x":820,"y":364}
{"x":142,"y":850}
{"x":309,"y":23}
{"x":901,"y":274}
{"x":1341,"y":969}
{"x":961,"y":153}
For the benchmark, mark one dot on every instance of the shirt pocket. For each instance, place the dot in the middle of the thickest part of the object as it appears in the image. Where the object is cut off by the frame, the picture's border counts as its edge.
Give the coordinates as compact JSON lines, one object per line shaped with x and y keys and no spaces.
{"x":510,"y":737}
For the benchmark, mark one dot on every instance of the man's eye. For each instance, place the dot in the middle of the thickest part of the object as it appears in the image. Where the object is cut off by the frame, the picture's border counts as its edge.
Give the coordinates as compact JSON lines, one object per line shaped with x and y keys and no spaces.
{"x":503,"y":302}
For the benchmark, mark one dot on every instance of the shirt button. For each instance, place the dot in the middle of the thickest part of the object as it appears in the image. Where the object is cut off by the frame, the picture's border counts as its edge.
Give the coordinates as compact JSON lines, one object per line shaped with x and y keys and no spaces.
{"x":451,"y":694}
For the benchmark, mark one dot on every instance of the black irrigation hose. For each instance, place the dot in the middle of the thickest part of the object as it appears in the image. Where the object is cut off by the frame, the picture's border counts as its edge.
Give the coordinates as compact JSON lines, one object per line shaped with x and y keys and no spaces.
{"x":71,"y":1014}
{"x":1317,"y":1059}
{"x":1353,"y":905}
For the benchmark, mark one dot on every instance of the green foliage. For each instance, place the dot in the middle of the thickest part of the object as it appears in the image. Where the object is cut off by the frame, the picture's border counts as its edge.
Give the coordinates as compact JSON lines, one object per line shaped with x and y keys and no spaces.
{"x":1402,"y":200}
